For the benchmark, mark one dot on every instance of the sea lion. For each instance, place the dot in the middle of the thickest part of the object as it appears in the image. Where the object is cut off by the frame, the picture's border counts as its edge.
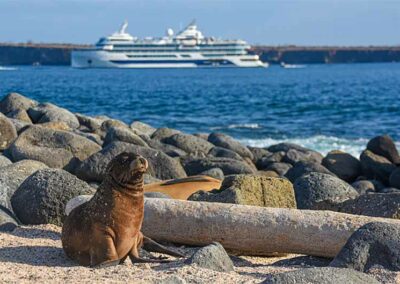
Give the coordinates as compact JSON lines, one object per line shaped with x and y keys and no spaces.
{"x":106,"y":230}
{"x":184,"y":187}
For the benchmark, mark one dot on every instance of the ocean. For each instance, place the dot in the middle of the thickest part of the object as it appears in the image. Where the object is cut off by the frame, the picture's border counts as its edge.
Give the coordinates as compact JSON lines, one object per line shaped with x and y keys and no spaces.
{"x":322,"y":107}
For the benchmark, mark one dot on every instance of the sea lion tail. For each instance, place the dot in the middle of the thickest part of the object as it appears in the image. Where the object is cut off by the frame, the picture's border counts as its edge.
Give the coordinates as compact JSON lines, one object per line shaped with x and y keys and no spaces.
{"x":153,"y":246}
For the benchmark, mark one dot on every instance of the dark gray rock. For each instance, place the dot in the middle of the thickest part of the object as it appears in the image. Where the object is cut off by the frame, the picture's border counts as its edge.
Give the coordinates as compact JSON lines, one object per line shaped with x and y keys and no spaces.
{"x":12,"y":176}
{"x":164,"y":132}
{"x":321,"y":275}
{"x":91,"y":136}
{"x":385,"y":147}
{"x":375,"y":243}
{"x":363,"y":186}
{"x":293,"y":156}
{"x":316,"y":187}
{"x":42,"y":197}
{"x":386,"y":205}
{"x":7,"y":222}
{"x":280,"y":168}
{"x":224,"y":153}
{"x":258,"y":153}
{"x":269,"y":159}
{"x":343,"y":165}
{"x":202,"y":135}
{"x":143,"y":127}
{"x":194,"y":166}
{"x":149,"y":179}
{"x":161,"y":166}
{"x":14,"y":102}
{"x":170,"y":150}
{"x":189,"y":143}
{"x":394,"y":178}
{"x":302,"y":168}
{"x":90,"y":123}
{"x":376,"y":167}
{"x":8,"y":132}
{"x":156,"y":195}
{"x":55,"y":148}
{"x":225,"y":141}
{"x":286,"y":147}
{"x":214,"y":173}
{"x":212,"y":257}
{"x":51,"y":113}
{"x":123,"y":134}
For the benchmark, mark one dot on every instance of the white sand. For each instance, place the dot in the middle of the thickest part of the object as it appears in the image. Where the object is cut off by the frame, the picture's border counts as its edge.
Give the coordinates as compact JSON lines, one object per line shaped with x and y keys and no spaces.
{"x":34,"y":254}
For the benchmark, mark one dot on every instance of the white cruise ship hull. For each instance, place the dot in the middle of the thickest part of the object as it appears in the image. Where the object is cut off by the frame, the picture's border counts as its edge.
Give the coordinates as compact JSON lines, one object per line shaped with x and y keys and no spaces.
{"x":108,"y":59}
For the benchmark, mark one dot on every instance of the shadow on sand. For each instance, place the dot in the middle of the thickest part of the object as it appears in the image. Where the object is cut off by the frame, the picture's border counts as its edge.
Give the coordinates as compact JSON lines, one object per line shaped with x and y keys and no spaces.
{"x":35,"y":233}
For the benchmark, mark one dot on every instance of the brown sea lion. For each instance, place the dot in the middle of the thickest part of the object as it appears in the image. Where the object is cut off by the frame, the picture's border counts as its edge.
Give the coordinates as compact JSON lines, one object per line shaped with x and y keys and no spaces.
{"x":106,"y":230}
{"x":184,"y":187}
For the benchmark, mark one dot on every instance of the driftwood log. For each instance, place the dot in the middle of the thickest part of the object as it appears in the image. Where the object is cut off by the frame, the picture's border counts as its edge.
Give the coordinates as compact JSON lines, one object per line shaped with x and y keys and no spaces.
{"x":251,"y":230}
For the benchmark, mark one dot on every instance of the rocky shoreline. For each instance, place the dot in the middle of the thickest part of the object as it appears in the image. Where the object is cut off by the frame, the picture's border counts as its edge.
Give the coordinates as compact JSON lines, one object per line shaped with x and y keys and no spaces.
{"x":51,"y":155}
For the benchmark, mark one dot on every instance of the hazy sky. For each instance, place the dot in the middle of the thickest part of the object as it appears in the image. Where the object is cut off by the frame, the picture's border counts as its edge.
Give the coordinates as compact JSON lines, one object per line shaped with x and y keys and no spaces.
{"x":301,"y":22}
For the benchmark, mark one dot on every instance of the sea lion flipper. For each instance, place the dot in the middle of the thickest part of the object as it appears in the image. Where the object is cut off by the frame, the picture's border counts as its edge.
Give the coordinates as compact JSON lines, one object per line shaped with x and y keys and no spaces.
{"x":152,"y":246}
{"x":107,"y":263}
{"x":103,"y":252}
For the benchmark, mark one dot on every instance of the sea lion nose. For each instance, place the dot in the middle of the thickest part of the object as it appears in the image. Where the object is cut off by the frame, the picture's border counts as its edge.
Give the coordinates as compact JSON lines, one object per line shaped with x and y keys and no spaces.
{"x":143,"y":161}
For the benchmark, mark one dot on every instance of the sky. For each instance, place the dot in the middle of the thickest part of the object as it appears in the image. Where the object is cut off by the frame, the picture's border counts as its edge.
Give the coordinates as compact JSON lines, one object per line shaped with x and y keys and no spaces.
{"x":269,"y":22}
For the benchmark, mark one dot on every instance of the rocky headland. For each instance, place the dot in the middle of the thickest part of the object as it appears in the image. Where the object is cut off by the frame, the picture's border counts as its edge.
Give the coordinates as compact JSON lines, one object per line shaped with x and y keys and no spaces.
{"x":283,"y":214}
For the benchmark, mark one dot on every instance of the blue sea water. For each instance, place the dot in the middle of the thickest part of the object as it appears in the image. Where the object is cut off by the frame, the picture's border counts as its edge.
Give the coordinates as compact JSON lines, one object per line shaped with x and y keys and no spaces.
{"x":324,"y":107}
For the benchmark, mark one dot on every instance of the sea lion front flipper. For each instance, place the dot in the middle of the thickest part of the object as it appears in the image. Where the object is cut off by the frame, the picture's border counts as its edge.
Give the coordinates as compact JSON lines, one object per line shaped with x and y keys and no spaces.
{"x":103,"y":252}
{"x":153,"y":246}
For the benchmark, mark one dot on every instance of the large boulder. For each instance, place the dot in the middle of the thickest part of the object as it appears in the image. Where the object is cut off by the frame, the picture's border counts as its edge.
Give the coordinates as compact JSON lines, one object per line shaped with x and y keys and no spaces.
{"x":42,"y":197}
{"x":269,"y":159}
{"x":394,"y":179}
{"x":224,"y":153}
{"x":15,"y":102}
{"x":168,"y":149}
{"x":160,"y":165}
{"x":51,"y":113}
{"x":212,"y":257}
{"x":316,"y":187}
{"x":286,"y":146}
{"x":142,"y":127}
{"x":123,"y":134}
{"x":376,"y":167}
{"x":302,"y":168}
{"x":225,"y":141}
{"x":386,"y":205}
{"x":8,"y":132}
{"x":164,"y":132}
{"x":194,"y":166}
{"x":214,"y":172}
{"x":375,"y":243}
{"x":251,"y":190}
{"x":55,"y":148}
{"x":12,"y":176}
{"x":20,"y":114}
{"x":321,"y":275}
{"x":293,"y":156}
{"x":258,"y":153}
{"x":385,"y":147}
{"x":342,"y":164}
{"x":89,"y":123}
{"x":280,"y":168}
{"x":4,"y":161}
{"x":189,"y":143}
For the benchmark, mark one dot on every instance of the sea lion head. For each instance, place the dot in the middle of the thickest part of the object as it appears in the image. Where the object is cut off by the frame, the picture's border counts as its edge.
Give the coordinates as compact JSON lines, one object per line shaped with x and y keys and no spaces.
{"x":127,"y":168}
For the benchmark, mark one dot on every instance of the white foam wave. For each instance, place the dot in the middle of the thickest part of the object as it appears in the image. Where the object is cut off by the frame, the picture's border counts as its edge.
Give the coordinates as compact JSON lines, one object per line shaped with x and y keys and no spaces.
{"x":320,"y":143}
{"x":3,"y":68}
{"x":244,"y":125}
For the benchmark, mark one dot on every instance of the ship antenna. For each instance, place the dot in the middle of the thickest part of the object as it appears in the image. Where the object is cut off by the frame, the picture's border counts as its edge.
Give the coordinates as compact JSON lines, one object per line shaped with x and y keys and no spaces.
{"x":123,"y":27}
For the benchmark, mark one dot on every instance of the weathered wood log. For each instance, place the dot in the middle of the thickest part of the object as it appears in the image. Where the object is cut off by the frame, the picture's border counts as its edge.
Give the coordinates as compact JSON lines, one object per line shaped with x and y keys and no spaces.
{"x":251,"y":230}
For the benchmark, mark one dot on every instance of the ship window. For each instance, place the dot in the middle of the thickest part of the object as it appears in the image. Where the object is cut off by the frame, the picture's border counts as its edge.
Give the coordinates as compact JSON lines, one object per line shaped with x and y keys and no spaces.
{"x":248,"y":59}
{"x":89,"y":61}
{"x":185,"y":55}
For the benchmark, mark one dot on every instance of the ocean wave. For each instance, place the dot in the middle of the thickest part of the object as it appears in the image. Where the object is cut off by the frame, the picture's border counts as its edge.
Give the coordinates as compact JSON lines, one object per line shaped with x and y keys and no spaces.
{"x":3,"y":68}
{"x":244,"y":126}
{"x":320,"y":143}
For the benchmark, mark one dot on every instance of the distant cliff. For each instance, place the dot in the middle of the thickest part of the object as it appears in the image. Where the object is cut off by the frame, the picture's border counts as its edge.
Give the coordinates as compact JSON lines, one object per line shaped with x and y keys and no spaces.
{"x":60,"y":54}
{"x":309,"y":55}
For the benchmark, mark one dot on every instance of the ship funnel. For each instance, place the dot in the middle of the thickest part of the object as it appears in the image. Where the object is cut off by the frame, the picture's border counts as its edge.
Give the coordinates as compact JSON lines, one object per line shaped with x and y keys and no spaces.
{"x":170,"y":32}
{"x":123,"y":28}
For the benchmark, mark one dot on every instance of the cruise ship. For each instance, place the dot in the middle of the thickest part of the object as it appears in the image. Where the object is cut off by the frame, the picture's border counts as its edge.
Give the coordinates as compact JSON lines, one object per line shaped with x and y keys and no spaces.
{"x":187,"y":49}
